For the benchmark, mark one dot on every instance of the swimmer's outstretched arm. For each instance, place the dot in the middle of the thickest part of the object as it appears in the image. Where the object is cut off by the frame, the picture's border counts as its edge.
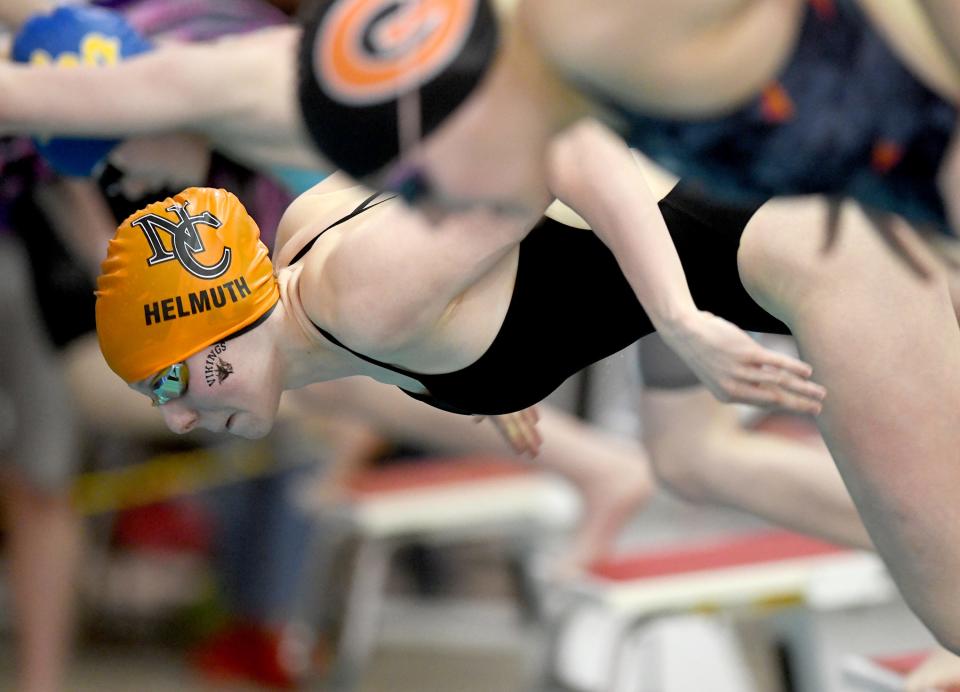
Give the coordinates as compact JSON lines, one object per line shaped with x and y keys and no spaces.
{"x":141,"y":95}
{"x":593,"y":172}
{"x":237,"y":91}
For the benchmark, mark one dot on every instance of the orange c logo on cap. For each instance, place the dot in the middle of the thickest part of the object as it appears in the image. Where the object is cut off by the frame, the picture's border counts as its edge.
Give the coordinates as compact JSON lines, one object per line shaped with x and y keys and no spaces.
{"x":370,"y":50}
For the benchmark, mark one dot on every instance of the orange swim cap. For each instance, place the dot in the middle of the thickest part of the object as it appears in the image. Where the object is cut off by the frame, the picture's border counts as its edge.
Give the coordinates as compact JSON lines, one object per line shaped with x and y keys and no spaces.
{"x":180,"y":274}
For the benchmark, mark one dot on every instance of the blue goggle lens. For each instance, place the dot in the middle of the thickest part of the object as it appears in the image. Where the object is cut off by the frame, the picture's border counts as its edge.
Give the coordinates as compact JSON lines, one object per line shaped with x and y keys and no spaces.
{"x":170,"y":383}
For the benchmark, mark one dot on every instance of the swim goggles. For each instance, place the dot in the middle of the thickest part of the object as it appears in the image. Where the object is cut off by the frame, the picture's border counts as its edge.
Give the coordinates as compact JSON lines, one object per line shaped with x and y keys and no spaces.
{"x":170,"y":383}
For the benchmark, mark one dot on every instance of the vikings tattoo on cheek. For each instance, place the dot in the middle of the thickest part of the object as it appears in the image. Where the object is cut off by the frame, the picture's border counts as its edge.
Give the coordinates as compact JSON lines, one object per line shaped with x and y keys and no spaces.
{"x":215,"y":368}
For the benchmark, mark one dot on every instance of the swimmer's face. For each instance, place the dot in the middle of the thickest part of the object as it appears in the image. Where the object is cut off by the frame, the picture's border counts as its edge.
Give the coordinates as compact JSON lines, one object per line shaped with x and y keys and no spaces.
{"x":229,"y":389}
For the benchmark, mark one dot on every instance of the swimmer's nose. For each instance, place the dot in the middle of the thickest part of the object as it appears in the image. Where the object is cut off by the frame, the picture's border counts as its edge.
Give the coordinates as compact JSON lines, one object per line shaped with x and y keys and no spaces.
{"x":179,"y":418}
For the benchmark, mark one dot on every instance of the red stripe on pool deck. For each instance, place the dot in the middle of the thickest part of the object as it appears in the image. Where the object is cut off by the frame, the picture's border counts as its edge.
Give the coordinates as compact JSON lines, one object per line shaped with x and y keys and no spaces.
{"x":753,"y":549}
{"x":903,"y":664}
{"x":434,"y":472}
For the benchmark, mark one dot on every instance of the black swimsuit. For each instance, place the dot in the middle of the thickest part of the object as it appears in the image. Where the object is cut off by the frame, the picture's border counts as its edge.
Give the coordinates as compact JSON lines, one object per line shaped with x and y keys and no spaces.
{"x":572,"y":306}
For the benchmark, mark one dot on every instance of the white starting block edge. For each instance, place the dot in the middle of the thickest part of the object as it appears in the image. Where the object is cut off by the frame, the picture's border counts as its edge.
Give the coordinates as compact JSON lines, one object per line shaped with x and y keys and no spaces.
{"x":536,"y":499}
{"x":599,"y":652}
{"x":840,"y":580}
{"x":841,"y":587}
{"x":592,"y":633}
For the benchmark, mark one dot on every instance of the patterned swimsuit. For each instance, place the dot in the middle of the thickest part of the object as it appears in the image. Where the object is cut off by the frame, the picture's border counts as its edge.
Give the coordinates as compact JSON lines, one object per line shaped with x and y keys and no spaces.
{"x":844,"y":117}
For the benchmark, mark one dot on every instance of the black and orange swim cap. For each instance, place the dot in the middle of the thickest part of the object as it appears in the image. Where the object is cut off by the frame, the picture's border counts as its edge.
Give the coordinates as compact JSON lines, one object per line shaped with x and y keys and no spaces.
{"x":180,"y":274}
{"x":359,"y":57}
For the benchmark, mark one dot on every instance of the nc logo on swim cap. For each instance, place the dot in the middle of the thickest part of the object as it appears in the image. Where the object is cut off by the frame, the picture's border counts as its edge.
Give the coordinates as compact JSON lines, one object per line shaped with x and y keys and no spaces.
{"x":370,"y":50}
{"x":185,"y":240}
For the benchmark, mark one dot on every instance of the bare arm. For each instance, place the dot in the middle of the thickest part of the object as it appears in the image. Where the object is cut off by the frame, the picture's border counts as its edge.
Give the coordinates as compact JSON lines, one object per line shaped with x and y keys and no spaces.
{"x":152,"y":92}
{"x":237,"y":92}
{"x":176,"y":86}
{"x":594,"y":172}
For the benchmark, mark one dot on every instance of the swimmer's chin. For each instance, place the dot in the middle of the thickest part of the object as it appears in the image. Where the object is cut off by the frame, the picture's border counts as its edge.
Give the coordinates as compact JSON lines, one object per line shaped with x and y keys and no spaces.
{"x":255,"y":434}
{"x":252,"y":433}
{"x":258,"y":430}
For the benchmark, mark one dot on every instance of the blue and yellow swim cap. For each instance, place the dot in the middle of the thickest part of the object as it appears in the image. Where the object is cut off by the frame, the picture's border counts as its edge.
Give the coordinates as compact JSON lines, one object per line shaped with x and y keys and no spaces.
{"x":72,"y":36}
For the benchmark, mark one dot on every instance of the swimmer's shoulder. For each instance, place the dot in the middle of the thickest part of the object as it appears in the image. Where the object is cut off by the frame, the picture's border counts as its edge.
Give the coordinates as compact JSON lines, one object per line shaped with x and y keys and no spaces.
{"x":314,"y":210}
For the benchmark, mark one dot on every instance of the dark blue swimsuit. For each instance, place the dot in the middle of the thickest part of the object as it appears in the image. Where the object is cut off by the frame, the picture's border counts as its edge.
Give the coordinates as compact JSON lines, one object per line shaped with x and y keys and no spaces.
{"x":844,"y":117}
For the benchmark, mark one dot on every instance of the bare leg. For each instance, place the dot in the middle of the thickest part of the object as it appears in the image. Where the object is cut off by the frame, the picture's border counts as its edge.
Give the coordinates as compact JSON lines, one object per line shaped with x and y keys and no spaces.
{"x":612,"y":474}
{"x":887,"y":346}
{"x":44,"y":544}
{"x":44,"y":530}
{"x":702,"y":452}
{"x":948,"y":249}
{"x":948,"y":181}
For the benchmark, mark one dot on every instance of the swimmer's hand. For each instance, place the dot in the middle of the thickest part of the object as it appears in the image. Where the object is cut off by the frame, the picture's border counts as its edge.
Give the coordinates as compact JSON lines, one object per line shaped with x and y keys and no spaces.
{"x":150,"y":164}
{"x":735,"y":368}
{"x":519,"y":430}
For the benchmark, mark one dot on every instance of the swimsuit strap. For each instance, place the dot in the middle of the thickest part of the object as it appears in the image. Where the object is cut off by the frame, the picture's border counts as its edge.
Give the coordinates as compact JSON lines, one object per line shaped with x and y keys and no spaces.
{"x":373,"y":361}
{"x":364,"y":205}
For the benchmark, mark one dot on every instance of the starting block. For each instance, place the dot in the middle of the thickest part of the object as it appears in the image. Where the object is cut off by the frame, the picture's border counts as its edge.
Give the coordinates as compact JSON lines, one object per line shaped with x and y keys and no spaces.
{"x":455,"y":498}
{"x":813,"y":593}
{"x":439,"y":501}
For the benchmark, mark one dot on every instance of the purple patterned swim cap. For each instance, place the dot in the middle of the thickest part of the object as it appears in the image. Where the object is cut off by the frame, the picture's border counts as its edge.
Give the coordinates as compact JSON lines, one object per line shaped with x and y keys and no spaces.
{"x":196,"y":20}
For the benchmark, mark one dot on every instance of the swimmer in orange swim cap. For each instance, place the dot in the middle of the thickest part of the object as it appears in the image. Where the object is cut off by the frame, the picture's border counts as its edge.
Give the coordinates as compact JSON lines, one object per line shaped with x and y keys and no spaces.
{"x":474,"y":315}
{"x":183,"y":275}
